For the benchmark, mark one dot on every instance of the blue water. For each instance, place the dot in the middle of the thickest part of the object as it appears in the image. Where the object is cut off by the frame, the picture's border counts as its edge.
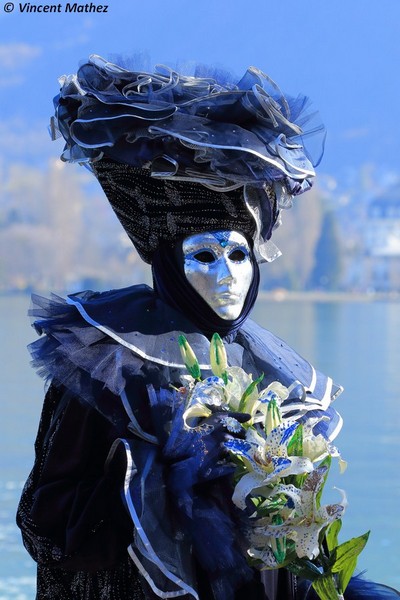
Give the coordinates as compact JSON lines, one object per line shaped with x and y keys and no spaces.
{"x":358,"y":344}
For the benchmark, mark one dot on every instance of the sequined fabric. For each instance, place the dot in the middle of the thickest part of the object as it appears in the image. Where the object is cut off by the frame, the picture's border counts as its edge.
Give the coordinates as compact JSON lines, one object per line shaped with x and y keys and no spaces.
{"x":119,"y":579}
{"x":121,"y":583}
{"x":152,"y":210}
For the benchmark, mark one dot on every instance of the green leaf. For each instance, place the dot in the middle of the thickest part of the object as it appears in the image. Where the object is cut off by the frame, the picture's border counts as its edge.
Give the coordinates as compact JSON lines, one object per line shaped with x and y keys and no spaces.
{"x":349,"y":550}
{"x":332,"y":534}
{"x":297,"y":480}
{"x":304,"y":569}
{"x":270,"y":505}
{"x":295,"y":445}
{"x":345,"y":558}
{"x":278,"y":545}
{"x":326,"y":588}
{"x":248,"y":392}
{"x":345,"y":575}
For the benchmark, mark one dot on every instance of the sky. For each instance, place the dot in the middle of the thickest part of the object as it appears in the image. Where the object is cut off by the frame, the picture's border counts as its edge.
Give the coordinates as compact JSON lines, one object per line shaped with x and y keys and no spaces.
{"x":343,"y":54}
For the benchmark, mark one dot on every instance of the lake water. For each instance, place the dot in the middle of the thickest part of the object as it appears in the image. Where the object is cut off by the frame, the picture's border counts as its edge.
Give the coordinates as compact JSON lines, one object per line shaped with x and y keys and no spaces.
{"x":357,"y":343}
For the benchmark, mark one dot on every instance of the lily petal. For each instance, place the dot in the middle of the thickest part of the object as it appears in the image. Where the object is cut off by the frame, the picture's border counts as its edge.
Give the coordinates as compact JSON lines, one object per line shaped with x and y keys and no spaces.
{"x":195,"y":411}
{"x":246,"y":484}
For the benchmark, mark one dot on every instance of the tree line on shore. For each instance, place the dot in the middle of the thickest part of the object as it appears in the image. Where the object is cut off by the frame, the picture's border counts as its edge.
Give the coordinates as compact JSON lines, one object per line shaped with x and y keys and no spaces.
{"x":58,"y":232}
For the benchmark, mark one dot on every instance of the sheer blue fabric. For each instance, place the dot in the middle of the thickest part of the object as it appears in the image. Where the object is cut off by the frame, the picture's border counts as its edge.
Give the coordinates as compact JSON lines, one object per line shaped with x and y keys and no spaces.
{"x":105,"y":340}
{"x":201,"y":128}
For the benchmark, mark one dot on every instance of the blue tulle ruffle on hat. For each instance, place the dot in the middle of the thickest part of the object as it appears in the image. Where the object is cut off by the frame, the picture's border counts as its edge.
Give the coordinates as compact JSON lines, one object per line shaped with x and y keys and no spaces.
{"x":196,"y":128}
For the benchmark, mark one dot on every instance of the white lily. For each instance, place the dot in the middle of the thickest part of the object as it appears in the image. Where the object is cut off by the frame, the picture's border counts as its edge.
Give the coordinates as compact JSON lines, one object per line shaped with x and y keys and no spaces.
{"x":195,"y":412}
{"x":266,"y":556}
{"x":274,"y":389}
{"x":316,"y":447}
{"x":307,"y":518}
{"x":238,"y":382}
{"x":266,"y":460}
{"x":261,"y":406}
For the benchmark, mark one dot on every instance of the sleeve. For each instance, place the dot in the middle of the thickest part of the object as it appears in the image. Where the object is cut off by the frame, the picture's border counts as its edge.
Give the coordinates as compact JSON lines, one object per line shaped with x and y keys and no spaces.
{"x":71,"y":512}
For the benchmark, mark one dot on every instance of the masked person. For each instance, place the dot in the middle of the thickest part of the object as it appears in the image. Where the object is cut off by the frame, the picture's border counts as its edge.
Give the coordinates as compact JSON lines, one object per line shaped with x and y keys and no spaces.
{"x":197,"y":170}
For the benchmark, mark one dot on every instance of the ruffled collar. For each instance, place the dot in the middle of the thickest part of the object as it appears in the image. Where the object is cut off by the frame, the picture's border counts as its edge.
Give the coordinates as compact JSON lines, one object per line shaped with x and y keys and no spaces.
{"x":112,"y":336}
{"x":136,"y":318}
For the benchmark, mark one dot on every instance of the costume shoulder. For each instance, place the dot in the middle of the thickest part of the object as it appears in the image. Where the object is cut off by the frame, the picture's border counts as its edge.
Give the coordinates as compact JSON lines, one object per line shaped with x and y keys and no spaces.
{"x":107,"y":337}
{"x":311,"y":391}
{"x":93,"y":338}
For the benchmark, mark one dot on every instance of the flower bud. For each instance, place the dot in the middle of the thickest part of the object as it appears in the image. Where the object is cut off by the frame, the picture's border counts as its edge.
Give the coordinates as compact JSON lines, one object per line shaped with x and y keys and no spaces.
{"x":218,"y":358}
{"x":189,"y":357}
{"x":273,"y":418}
{"x":278,"y":544}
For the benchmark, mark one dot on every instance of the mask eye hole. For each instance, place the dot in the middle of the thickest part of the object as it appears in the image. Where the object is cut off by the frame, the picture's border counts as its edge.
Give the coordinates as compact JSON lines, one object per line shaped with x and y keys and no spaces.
{"x":238,"y":255}
{"x":204,"y":256}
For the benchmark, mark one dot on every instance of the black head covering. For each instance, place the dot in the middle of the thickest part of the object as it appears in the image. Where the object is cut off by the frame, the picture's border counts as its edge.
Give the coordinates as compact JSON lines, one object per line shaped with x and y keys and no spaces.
{"x":171,"y":284}
{"x":153,"y":210}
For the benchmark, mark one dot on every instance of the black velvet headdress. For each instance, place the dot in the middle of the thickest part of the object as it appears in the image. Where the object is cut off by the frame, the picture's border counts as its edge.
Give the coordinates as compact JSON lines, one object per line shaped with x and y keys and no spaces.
{"x":179,"y":154}
{"x":156,"y":210}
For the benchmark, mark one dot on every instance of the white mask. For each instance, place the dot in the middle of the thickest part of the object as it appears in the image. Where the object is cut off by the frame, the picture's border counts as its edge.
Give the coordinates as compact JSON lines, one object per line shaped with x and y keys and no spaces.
{"x":218,"y":266}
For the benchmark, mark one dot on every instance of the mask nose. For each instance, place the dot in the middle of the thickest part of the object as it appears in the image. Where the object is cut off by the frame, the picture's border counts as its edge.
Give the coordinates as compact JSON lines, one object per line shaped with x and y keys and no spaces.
{"x":224,"y":271}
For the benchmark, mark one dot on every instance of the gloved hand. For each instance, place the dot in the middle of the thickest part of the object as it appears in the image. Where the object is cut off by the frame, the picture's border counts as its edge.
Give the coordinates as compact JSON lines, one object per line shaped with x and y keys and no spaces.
{"x":223,"y":424}
{"x":198,"y":455}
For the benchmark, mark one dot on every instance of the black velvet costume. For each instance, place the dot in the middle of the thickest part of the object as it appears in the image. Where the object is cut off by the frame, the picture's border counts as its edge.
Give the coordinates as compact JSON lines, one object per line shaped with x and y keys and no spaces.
{"x":105,"y":512}
{"x":72,"y":515}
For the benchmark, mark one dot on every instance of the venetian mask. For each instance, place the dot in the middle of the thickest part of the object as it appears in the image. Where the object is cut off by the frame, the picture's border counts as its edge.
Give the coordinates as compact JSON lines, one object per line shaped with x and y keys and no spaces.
{"x":218,"y":266}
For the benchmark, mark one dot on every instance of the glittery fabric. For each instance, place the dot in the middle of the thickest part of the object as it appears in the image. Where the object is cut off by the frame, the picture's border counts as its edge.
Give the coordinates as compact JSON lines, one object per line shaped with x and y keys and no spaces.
{"x":153,"y":210}
{"x":121,"y":583}
{"x":67,"y":559}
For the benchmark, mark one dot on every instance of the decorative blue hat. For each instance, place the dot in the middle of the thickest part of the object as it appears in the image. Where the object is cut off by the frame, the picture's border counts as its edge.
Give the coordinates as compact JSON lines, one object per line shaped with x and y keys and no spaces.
{"x":244,"y":140}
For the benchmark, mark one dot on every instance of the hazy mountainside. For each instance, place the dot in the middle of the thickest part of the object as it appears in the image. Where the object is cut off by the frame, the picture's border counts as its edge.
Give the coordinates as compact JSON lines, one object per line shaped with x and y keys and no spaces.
{"x":57,"y":232}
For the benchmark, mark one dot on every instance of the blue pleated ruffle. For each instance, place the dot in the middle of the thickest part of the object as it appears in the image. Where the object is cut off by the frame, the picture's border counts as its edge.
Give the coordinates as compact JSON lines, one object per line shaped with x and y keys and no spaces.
{"x":94,"y":341}
{"x":205,"y":129}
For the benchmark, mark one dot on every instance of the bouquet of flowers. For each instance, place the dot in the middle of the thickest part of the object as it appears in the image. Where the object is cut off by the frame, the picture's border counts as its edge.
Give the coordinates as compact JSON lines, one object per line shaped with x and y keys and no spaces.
{"x":281,"y":469}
